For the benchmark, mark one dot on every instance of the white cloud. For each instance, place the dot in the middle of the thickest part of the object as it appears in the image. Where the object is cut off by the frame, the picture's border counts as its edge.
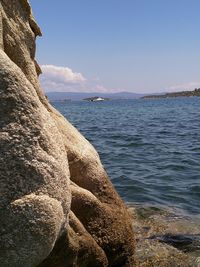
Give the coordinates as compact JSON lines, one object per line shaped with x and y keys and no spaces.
{"x":61,"y":74}
{"x":63,"y":79}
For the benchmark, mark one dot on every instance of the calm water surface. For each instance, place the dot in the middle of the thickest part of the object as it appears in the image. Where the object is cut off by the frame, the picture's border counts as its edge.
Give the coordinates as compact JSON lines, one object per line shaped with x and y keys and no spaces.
{"x":150,"y":148}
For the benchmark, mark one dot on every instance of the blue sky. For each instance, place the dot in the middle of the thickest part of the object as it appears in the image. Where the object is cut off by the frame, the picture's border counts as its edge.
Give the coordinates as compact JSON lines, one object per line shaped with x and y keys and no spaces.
{"x":115,"y":45}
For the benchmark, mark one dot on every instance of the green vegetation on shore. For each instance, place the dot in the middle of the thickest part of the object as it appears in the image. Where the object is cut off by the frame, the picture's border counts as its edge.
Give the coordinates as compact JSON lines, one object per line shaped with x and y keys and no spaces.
{"x":195,"y":92}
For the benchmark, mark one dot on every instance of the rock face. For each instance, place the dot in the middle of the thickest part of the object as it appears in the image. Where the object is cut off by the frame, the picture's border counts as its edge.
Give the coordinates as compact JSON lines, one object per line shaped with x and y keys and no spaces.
{"x":57,"y":205}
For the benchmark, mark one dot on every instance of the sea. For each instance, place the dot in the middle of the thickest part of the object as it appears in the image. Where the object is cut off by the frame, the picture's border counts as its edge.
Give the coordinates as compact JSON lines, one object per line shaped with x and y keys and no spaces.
{"x":150,"y":148}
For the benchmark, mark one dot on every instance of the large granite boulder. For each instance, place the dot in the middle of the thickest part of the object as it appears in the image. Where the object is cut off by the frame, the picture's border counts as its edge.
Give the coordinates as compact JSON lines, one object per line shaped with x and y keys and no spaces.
{"x":57,"y":205}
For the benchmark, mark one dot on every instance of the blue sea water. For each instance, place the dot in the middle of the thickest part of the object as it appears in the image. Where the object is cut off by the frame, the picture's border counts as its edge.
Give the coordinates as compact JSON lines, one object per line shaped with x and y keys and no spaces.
{"x":150,"y":148}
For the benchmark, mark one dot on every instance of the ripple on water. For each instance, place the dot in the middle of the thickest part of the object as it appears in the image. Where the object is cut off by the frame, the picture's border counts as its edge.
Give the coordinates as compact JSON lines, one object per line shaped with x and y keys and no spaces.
{"x":151,"y":149}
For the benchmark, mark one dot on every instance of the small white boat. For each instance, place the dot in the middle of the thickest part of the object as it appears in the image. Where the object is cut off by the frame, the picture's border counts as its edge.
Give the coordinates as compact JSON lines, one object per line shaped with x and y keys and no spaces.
{"x":97,"y":99}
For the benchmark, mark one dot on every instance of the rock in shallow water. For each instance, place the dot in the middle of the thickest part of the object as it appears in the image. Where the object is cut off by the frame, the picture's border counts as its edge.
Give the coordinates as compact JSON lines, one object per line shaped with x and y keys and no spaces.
{"x":57,"y":205}
{"x":150,"y":225}
{"x":183,"y":242}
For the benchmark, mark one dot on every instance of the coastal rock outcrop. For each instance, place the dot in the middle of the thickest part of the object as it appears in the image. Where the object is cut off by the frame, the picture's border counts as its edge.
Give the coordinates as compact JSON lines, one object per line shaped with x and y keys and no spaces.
{"x":57,"y":205}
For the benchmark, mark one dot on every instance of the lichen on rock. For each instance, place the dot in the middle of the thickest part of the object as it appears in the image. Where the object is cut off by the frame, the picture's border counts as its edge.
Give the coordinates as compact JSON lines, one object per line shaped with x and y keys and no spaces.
{"x":57,"y":205}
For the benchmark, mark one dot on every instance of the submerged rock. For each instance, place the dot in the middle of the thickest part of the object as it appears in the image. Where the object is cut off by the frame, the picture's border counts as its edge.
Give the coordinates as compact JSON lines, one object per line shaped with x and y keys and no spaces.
{"x":57,"y":205}
{"x":183,"y":242}
{"x":158,"y":232}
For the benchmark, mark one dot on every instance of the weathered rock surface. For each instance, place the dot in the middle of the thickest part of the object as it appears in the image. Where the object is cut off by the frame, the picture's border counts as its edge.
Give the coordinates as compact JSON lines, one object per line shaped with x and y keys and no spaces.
{"x":57,"y":205}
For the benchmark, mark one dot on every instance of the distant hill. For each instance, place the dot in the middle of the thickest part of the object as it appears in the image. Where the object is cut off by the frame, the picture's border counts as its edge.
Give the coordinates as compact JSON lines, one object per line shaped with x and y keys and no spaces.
{"x":59,"y":96}
{"x":195,"y":92}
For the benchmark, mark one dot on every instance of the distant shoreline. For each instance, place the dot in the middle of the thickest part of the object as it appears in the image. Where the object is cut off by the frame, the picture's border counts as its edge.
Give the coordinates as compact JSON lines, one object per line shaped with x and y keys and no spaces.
{"x":195,"y":92}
